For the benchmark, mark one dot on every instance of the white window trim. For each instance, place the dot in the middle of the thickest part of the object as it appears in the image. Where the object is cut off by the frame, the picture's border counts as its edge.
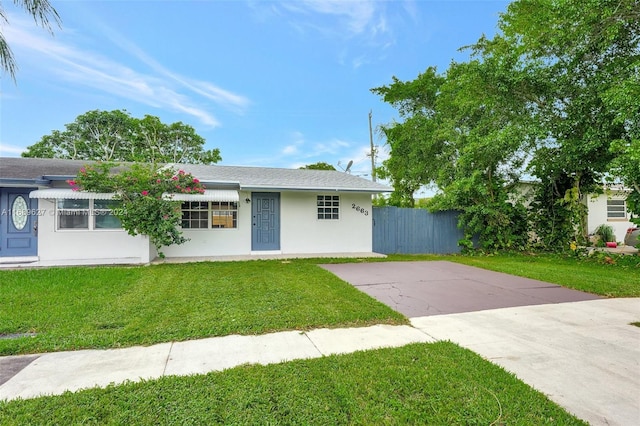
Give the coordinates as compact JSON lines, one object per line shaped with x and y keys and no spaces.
{"x":91,"y":221}
{"x":328,"y":219}
{"x":207,"y":210}
{"x":210,"y":211}
{"x":624,"y":207}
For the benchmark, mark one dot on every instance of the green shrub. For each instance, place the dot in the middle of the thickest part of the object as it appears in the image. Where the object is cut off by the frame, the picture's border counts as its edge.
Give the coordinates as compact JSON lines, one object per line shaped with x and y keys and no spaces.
{"x":605,"y":232}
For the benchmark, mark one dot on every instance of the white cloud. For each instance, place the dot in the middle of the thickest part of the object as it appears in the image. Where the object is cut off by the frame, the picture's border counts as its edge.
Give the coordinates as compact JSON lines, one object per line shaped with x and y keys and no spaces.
{"x":206,"y":89}
{"x":10,"y":150}
{"x":290,"y":150}
{"x":364,"y":23}
{"x":333,"y":146}
{"x":158,"y":87}
{"x":357,"y":15}
{"x":338,"y":152}
{"x":294,"y":148}
{"x":358,"y":61}
{"x":351,"y":18}
{"x":299,"y":152}
{"x":326,"y":151}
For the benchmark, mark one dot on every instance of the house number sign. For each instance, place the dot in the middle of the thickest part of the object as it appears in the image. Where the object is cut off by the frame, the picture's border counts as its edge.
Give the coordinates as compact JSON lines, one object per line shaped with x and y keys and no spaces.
{"x":19,"y":213}
{"x":360,"y":209}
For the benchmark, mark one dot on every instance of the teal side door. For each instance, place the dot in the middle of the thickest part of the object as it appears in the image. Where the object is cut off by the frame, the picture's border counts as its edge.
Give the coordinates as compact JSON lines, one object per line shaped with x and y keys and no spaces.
{"x":265,"y":220}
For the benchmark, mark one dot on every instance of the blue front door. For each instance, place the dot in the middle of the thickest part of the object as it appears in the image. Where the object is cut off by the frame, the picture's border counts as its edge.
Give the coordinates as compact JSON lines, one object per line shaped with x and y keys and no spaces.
{"x":18,"y":223}
{"x":265,"y":211}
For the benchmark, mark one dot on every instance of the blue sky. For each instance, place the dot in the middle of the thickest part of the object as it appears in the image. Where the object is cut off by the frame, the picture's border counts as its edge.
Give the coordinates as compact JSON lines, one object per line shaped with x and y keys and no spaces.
{"x":270,"y":83}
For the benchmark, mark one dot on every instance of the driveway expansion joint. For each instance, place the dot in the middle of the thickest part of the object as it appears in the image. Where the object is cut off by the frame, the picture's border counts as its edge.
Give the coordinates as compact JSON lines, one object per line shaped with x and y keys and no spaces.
{"x":306,"y":334}
{"x":166,"y":362}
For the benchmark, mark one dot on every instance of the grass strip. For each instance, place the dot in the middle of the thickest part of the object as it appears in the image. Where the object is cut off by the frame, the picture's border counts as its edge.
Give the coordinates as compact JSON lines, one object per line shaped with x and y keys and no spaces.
{"x":437,"y":383}
{"x":618,"y":279}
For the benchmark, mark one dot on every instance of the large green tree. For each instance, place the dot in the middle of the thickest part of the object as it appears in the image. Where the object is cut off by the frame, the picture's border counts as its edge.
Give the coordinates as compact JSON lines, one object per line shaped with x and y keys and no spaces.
{"x":462,"y":132}
{"x":482,"y":139}
{"x":43,"y":14}
{"x":116,"y":136}
{"x":584,"y":54}
{"x":413,"y":159}
{"x":320,"y":165}
{"x":553,"y":96}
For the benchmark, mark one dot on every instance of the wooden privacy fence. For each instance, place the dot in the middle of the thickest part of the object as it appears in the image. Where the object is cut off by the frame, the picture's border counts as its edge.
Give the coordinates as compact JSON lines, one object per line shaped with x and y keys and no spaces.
{"x":412,"y":231}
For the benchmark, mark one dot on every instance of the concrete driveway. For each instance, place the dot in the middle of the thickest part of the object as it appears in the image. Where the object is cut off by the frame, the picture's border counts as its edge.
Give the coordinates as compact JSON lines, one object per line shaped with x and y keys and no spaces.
{"x":578,"y":349}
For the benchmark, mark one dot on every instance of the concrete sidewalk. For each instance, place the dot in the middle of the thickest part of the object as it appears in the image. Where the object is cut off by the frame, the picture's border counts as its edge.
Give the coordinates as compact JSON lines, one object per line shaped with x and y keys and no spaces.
{"x":584,"y":355}
{"x":55,"y":373}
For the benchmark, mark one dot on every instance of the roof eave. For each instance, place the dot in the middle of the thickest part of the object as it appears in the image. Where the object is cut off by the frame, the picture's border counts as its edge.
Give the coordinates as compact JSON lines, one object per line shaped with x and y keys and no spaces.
{"x":58,"y":177}
{"x":220,"y":184}
{"x":313,"y":188}
{"x":24,"y":182}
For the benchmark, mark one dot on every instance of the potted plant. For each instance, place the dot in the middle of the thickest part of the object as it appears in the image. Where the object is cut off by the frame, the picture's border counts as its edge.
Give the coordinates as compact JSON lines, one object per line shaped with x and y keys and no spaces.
{"x":607,"y":238}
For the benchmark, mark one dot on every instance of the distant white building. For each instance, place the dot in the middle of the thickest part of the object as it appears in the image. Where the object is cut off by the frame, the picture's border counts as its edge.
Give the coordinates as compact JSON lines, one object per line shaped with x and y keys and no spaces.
{"x":610,"y":208}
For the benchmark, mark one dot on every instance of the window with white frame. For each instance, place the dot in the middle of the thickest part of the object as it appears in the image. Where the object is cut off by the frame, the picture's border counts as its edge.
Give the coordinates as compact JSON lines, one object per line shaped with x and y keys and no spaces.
{"x":224,"y":214}
{"x":73,"y":214}
{"x":103,"y":217}
{"x":616,"y":209}
{"x":195,"y":215}
{"x":209,"y":215}
{"x":87,"y":214}
{"x":328,"y":207}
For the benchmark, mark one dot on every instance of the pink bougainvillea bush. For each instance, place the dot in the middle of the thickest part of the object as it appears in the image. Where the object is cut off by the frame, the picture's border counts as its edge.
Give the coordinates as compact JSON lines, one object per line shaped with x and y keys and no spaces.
{"x":145,"y":191}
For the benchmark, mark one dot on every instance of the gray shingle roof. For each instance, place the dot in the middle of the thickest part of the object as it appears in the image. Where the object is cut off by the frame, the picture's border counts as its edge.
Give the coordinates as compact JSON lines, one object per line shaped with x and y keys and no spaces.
{"x":256,"y":178}
{"x":249,"y":178}
{"x":35,"y":168}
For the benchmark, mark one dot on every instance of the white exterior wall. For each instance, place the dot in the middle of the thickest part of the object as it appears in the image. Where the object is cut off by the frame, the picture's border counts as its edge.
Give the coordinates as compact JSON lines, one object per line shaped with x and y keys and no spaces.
{"x":83,"y":246}
{"x":300,"y":230}
{"x":598,"y":215}
{"x":303,"y":232}
{"x":218,"y":242}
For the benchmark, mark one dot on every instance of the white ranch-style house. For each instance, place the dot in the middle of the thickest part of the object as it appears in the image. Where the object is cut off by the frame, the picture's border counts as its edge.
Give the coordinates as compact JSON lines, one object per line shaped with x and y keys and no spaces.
{"x":245,"y":211}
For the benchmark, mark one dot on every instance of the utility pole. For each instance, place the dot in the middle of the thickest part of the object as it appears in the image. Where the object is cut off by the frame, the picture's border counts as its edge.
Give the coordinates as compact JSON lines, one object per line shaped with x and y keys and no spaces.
{"x":373,"y":150}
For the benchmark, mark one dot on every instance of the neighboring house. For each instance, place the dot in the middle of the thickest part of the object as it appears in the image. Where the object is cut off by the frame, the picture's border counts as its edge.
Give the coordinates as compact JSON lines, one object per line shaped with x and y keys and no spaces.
{"x":244,"y":211}
{"x":609,"y":208}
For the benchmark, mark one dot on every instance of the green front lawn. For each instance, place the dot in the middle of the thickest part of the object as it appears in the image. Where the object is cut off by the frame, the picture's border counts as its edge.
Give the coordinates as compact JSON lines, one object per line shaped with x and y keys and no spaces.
{"x":107,"y":307}
{"x":620,"y":278}
{"x":430,"y":384}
